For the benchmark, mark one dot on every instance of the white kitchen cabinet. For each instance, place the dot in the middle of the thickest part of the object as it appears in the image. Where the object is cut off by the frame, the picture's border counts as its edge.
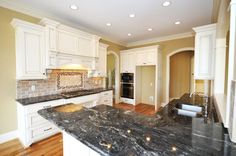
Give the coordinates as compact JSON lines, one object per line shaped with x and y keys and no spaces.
{"x":101,"y":62}
{"x":68,"y":43}
{"x":87,"y":101}
{"x":30,"y":50}
{"x":204,"y":54}
{"x":146,"y":57}
{"x":127,"y":61}
{"x":106,"y":98}
{"x":31,"y":126}
{"x":86,"y":46}
{"x":92,"y":100}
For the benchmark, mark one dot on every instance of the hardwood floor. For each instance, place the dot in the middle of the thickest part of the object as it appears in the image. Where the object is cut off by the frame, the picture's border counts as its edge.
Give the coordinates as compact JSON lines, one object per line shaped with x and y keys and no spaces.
{"x":53,"y":146}
{"x":144,"y":109}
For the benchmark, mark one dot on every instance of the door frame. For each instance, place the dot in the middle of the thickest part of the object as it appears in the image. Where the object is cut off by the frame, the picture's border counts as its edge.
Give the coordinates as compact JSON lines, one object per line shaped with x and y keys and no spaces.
{"x":168,"y":69}
{"x":117,"y":75}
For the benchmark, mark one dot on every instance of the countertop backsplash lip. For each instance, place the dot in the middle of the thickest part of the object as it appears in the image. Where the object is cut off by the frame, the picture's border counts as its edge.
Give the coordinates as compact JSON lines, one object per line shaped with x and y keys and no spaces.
{"x":49,"y":86}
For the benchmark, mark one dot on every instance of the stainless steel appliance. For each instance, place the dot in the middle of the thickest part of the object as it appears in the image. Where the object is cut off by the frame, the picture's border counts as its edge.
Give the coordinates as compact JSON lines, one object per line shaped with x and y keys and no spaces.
{"x":127,"y":85}
{"x":127,"y":77}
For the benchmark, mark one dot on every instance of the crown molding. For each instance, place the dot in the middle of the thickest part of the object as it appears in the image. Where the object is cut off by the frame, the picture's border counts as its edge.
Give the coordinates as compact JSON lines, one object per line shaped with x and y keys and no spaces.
{"x":160,"y":39}
{"x":42,"y":15}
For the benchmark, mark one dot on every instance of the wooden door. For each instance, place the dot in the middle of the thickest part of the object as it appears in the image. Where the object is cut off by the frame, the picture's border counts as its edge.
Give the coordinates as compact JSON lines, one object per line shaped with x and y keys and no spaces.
{"x":180,"y":74}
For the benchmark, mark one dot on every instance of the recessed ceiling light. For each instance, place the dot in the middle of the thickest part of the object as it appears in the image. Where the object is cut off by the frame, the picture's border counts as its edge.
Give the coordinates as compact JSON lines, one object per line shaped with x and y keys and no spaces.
{"x":73,"y":7}
{"x":131,"y":15}
{"x":166,"y":3}
{"x":177,"y":22}
{"x":149,"y":29}
{"x":129,"y":34}
{"x":108,"y":24}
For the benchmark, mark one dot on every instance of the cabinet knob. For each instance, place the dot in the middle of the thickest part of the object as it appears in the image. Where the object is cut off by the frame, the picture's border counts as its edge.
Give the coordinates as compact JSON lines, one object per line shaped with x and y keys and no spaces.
{"x":44,"y":73}
{"x":144,"y":63}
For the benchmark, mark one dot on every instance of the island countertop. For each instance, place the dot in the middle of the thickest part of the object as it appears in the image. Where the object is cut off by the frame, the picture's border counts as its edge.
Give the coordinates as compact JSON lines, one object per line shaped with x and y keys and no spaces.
{"x":132,"y":134}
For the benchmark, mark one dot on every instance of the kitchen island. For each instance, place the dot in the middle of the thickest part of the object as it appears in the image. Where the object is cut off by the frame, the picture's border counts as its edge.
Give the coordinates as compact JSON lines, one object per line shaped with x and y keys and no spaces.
{"x":104,"y":130}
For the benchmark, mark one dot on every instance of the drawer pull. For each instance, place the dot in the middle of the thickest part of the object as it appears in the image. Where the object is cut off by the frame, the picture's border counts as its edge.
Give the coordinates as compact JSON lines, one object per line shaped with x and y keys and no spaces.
{"x":44,"y":107}
{"x":47,"y":129}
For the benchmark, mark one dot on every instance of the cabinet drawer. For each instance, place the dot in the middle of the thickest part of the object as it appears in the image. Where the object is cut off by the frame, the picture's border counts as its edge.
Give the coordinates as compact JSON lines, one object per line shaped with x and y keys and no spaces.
{"x":36,"y":120}
{"x":43,"y":132}
{"x":105,"y":100}
{"x":106,"y":93}
{"x":35,"y":107}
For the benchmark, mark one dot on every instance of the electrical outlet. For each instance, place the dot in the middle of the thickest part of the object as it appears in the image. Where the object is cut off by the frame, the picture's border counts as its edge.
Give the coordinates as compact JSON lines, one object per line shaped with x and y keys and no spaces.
{"x":151,"y":98}
{"x":33,"y":88}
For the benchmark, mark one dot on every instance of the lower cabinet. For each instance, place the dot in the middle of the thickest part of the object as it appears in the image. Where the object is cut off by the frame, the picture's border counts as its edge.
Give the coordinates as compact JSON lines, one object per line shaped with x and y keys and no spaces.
{"x":31,"y":126}
{"x":88,"y":101}
{"x":106,"y":98}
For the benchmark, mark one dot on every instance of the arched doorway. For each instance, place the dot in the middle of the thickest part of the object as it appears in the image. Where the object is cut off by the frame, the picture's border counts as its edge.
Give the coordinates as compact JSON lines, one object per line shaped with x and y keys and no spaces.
{"x":181,"y":74}
{"x":189,"y":49}
{"x":113,"y":79}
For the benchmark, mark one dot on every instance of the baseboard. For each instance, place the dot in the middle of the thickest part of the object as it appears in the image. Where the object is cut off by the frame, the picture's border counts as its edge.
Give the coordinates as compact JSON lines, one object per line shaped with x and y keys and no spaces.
{"x":8,"y":136}
{"x":163,"y":104}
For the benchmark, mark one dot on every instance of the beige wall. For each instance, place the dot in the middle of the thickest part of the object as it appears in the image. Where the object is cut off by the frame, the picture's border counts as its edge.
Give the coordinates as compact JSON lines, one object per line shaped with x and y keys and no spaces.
{"x":112,"y":46}
{"x":180,"y":74}
{"x":111,"y":60}
{"x":168,"y":47}
{"x":148,"y":77}
{"x":8,"y":120}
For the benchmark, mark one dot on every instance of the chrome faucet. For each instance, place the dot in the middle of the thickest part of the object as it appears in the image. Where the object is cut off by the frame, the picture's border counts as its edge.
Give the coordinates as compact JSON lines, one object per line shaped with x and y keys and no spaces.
{"x":197,"y":93}
{"x":191,"y":94}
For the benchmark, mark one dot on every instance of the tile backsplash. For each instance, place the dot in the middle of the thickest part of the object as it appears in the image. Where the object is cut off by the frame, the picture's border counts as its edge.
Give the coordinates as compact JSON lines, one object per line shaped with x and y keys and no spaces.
{"x":57,"y":81}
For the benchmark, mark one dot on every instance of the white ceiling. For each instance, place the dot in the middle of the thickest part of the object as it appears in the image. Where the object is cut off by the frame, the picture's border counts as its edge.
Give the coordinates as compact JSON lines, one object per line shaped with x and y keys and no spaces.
{"x":92,"y":16}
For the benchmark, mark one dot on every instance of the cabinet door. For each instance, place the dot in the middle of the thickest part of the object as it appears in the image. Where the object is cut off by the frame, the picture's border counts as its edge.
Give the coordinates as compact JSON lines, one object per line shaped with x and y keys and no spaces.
{"x":146,"y":58}
{"x":128,"y":62}
{"x":204,"y":55}
{"x":30,"y":53}
{"x":131,"y":62}
{"x":124,"y":62}
{"x":86,"y":47}
{"x":141,"y":58}
{"x":67,"y":43}
{"x":102,"y":61}
{"x":51,"y":38}
{"x":151,"y":58}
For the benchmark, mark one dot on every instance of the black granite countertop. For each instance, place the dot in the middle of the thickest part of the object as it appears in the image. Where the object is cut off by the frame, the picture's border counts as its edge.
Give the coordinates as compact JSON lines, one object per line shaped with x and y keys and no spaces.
{"x":132,"y":134}
{"x":66,"y":95}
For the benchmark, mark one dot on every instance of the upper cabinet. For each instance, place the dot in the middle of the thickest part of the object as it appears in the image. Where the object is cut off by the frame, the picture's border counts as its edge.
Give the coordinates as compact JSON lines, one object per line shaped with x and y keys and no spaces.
{"x":30,"y":50}
{"x":146,"y":57}
{"x":67,"y":40}
{"x":50,"y":44}
{"x":68,"y":43}
{"x":102,"y":60}
{"x":138,"y":57}
{"x":127,"y":61}
{"x":204,"y":52}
